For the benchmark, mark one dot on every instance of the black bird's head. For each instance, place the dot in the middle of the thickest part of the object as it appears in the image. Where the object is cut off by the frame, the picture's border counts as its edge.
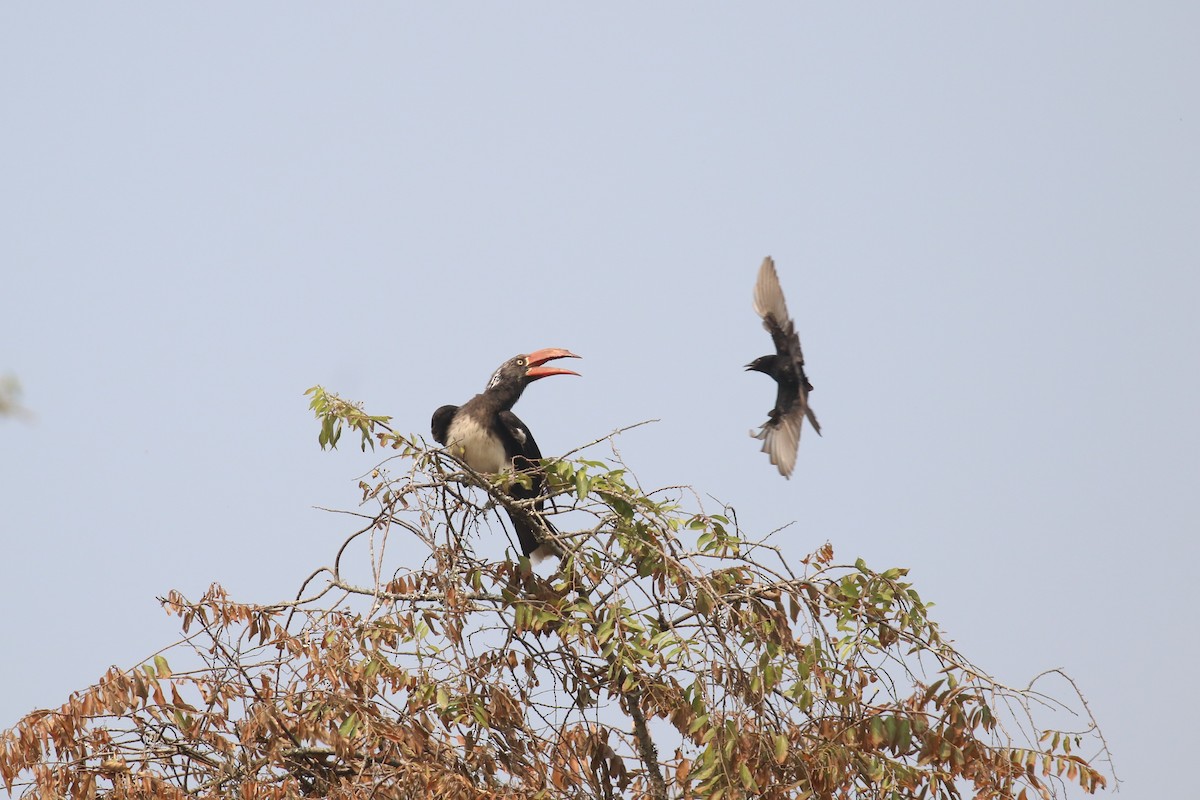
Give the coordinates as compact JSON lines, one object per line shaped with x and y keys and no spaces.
{"x":511,"y":378}
{"x":765,"y":364}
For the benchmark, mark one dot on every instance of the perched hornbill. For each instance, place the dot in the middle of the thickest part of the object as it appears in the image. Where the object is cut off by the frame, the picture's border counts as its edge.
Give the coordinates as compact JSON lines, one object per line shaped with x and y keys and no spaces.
{"x":490,"y":438}
{"x":781,"y":432}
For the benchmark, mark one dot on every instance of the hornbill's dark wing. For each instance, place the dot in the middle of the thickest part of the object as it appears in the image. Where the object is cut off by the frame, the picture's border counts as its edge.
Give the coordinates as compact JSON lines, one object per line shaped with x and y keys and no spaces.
{"x":525,"y":460}
{"x":521,"y":442}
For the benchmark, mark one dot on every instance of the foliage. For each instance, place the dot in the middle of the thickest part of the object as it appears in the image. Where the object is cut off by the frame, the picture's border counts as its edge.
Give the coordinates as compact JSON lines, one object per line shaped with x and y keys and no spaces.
{"x":336,"y":414}
{"x":668,"y":656}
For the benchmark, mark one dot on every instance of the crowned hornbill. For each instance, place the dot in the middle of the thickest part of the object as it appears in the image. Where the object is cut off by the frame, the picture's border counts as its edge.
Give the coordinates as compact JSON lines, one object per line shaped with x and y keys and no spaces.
{"x":490,"y":438}
{"x":781,"y":432}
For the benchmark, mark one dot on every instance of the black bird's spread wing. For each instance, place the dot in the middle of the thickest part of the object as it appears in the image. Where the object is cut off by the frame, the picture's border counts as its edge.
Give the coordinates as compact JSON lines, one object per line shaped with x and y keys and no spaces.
{"x":770,"y":305}
{"x":780,"y":435}
{"x":440,"y":425}
{"x":522,"y":443}
{"x":781,"y":432}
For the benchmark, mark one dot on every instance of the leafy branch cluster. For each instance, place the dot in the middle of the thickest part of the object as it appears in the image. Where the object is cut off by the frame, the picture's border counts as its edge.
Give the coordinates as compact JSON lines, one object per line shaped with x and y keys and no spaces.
{"x":667,"y":656}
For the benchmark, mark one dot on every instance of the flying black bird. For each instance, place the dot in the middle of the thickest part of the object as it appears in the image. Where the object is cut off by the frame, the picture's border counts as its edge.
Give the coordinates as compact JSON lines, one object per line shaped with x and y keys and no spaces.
{"x":490,"y":438}
{"x":781,"y":432}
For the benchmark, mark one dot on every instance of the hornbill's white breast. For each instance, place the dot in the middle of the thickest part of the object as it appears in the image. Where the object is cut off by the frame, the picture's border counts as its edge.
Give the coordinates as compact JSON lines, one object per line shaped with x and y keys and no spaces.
{"x":473,"y":443}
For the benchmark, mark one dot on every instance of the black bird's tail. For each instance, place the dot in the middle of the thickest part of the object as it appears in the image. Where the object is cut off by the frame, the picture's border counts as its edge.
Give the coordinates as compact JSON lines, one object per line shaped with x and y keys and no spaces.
{"x":812,"y":419}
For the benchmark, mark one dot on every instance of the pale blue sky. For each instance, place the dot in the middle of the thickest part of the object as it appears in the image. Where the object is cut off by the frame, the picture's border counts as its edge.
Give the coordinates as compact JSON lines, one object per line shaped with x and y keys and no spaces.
{"x":985,"y":220}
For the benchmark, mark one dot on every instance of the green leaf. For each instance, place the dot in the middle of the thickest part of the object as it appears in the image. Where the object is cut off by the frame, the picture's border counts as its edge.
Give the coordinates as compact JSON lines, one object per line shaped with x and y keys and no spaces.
{"x":747,"y":778}
{"x":903,"y":736}
{"x":161,"y":667}
{"x":781,"y":748}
